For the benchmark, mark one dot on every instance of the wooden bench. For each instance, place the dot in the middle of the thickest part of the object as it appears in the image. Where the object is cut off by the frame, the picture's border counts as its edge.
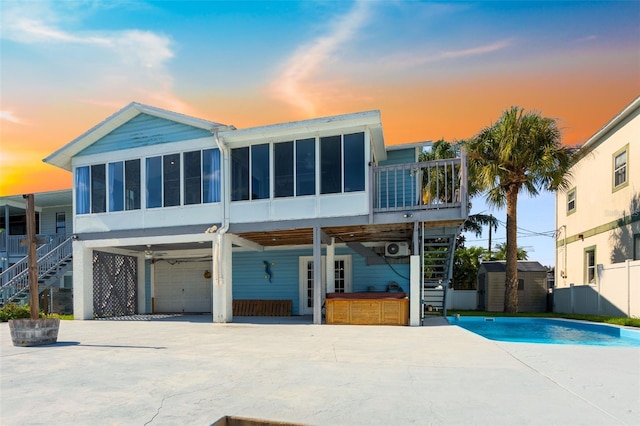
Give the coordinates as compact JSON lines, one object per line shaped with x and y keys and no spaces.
{"x":262,"y":308}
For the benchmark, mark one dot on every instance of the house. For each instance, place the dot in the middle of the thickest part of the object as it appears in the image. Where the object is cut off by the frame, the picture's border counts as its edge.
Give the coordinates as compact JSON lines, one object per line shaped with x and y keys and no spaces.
{"x":532,"y":286}
{"x":54,"y":215}
{"x":173,"y":213}
{"x":598,"y":223}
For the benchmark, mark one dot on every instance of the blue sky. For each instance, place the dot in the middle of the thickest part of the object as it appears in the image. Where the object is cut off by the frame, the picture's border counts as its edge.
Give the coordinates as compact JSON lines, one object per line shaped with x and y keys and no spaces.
{"x":433,"y":69}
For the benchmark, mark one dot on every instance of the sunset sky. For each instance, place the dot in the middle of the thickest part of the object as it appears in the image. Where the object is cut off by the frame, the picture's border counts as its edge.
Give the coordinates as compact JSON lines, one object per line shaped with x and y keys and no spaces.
{"x":434,"y":69}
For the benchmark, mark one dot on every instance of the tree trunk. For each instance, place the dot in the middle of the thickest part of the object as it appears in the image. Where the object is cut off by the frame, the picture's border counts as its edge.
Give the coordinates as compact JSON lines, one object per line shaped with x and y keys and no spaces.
{"x":511,"y":273}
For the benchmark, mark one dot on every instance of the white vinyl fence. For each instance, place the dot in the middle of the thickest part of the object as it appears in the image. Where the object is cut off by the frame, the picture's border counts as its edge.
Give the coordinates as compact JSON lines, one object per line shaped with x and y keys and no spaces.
{"x":615,"y":293}
{"x":464,"y":300}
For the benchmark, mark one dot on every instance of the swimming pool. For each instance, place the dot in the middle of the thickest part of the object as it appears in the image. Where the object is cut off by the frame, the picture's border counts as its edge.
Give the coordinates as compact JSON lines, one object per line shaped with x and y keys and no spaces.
{"x":548,"y":330}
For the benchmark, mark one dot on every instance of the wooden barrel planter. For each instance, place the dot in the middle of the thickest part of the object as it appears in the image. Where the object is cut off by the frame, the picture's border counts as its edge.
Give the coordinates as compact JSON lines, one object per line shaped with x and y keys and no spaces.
{"x":28,"y":332}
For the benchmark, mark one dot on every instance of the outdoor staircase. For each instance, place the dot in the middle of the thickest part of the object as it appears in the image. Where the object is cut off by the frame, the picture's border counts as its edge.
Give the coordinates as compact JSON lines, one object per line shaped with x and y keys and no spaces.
{"x":53,"y":262}
{"x":437,"y":269}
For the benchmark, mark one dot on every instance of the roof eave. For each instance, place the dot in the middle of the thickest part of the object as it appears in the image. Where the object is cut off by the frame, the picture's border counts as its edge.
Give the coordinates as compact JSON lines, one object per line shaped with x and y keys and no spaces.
{"x":622,"y":115}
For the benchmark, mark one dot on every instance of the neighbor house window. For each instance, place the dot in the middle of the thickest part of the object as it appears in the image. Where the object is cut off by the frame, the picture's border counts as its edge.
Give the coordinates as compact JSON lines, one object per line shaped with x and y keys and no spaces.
{"x":636,"y":247}
{"x":520,"y":284}
{"x":590,"y":264}
{"x":571,"y":201}
{"x":620,"y":168}
{"x":61,"y":223}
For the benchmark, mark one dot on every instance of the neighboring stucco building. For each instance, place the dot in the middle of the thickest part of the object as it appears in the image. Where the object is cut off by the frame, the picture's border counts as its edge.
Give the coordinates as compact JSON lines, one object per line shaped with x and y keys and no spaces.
{"x":598,"y":218}
{"x":173,"y":213}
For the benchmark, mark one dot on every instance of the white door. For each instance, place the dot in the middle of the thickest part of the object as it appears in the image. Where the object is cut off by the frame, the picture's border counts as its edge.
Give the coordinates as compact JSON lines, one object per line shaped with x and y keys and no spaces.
{"x":182,"y":287}
{"x":342,"y":271}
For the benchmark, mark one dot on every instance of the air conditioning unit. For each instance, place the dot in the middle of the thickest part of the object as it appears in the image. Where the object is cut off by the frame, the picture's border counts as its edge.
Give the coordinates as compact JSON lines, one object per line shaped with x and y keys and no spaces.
{"x":396,"y":249}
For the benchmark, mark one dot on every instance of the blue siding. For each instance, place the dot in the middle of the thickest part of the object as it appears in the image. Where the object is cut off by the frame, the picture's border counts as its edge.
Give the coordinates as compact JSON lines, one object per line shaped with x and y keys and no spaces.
{"x":398,"y":188}
{"x":400,"y":156}
{"x":249,"y":280}
{"x":144,"y":130}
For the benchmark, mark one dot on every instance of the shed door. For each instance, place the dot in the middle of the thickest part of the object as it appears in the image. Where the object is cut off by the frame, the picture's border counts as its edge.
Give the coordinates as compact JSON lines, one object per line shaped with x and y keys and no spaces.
{"x":482,"y":288}
{"x":181,"y":287}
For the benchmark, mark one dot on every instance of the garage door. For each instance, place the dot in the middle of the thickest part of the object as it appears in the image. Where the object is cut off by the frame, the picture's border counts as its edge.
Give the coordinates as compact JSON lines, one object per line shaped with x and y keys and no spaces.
{"x":181,"y":287}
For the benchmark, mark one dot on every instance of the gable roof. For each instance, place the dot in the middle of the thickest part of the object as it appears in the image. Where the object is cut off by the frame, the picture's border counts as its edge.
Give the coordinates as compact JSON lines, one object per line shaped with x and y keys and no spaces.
{"x":62,"y":157}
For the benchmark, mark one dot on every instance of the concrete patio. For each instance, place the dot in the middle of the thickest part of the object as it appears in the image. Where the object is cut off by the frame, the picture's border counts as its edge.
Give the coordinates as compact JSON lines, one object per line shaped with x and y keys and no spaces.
{"x":188,"y":371}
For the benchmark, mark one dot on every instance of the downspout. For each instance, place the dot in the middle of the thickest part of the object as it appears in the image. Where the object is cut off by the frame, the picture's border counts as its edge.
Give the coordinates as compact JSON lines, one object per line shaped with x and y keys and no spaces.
{"x":226,"y":201}
{"x":226,"y":176}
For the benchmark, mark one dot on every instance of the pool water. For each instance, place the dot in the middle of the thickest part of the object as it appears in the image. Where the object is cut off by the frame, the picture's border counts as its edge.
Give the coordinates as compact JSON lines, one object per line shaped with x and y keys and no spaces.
{"x":548,"y":330}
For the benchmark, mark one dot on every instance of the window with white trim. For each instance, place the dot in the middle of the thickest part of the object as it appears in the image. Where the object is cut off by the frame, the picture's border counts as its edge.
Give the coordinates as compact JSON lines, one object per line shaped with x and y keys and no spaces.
{"x":571,"y":201}
{"x":620,"y":168}
{"x":590,"y":265}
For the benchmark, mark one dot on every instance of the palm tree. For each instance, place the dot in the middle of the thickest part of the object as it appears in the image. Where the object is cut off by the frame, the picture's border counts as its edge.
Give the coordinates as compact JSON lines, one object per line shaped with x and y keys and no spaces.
{"x":501,"y":253}
{"x":521,"y":152}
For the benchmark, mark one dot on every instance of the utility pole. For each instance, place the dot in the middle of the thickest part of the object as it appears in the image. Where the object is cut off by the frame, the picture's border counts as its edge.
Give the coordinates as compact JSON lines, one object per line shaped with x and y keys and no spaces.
{"x":32,"y":259}
{"x":490,"y":230}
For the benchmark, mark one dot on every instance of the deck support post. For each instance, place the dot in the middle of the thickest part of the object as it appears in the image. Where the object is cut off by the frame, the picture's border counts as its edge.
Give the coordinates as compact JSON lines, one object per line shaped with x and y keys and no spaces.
{"x":317,"y":275}
{"x":82,"y":281}
{"x":330,"y":266}
{"x":415,"y":293}
{"x":222,"y":294}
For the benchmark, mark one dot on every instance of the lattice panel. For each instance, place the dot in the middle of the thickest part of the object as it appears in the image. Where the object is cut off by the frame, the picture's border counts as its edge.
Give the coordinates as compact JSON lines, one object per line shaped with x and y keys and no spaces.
{"x":115,"y":285}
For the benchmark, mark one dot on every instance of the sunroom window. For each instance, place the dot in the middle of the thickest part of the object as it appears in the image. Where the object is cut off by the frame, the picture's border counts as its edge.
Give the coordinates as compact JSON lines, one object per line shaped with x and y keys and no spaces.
{"x":294,"y":168}
{"x":211,"y":175}
{"x":306,"y":167}
{"x":98,"y":189}
{"x":192,"y":177}
{"x":132,"y":184}
{"x":330,"y":165}
{"x":171,"y":179}
{"x":250,"y":173}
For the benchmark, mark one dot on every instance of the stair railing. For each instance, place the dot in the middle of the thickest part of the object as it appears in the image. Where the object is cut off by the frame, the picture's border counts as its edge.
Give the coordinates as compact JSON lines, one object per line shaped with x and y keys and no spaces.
{"x":47,"y":264}
{"x":22,"y":265}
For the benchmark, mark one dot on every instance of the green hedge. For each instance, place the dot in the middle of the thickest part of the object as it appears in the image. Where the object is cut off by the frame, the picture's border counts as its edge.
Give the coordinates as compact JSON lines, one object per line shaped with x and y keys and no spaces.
{"x":13,"y":311}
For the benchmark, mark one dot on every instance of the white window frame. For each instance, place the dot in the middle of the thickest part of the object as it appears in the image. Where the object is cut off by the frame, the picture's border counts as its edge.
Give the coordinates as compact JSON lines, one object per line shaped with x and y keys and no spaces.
{"x":622,"y":168}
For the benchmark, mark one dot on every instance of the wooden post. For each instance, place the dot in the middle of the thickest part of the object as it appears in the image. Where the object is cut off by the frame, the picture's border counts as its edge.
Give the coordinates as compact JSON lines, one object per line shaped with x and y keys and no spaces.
{"x":32,"y":256}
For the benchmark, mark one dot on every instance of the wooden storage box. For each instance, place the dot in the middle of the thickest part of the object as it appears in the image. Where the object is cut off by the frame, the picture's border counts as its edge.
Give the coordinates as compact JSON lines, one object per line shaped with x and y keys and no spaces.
{"x":367,"y":308}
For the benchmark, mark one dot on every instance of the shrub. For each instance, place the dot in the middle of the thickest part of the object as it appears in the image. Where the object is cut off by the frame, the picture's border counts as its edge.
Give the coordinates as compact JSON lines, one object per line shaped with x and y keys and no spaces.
{"x":12,"y":311}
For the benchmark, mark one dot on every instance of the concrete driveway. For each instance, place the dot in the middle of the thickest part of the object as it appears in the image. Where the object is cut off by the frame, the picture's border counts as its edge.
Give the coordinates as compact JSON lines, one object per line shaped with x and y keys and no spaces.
{"x":188,"y":371}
